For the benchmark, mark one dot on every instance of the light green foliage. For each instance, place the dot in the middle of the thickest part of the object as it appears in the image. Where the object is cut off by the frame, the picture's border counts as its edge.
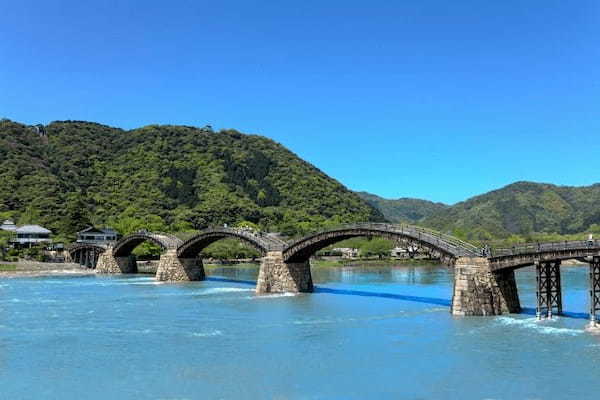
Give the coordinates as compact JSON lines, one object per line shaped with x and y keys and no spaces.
{"x":376,"y":247}
{"x":247,"y":225}
{"x":4,"y":240}
{"x":229,"y":249}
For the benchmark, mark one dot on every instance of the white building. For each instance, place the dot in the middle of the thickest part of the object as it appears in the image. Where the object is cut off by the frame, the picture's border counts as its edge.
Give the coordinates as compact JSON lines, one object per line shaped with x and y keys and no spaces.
{"x":399,"y":252}
{"x":347,"y":252}
{"x":28,"y":235}
{"x":8,"y":225}
{"x":97,"y":235}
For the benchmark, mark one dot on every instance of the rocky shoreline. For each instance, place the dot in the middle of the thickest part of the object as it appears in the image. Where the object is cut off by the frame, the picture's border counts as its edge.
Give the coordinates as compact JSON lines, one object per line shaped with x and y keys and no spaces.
{"x":35,"y":268}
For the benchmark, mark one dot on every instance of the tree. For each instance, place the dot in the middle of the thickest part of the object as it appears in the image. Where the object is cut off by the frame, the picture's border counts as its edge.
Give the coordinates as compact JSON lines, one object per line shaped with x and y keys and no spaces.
{"x":5,"y":237}
{"x":376,"y":247}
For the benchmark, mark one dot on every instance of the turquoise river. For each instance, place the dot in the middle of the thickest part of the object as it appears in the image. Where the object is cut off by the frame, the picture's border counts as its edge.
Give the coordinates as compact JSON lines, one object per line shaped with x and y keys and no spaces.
{"x":366,"y":333}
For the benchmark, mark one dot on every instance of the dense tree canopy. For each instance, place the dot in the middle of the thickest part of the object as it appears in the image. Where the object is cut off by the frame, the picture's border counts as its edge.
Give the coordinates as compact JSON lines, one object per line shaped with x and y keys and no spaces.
{"x":164,"y":178}
{"x":522,"y":211}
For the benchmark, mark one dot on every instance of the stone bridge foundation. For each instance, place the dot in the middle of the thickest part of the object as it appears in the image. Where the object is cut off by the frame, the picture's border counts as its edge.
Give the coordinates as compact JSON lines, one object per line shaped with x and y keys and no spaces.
{"x":277,"y":276}
{"x":172,"y":268}
{"x":480,"y":291}
{"x":109,"y":264}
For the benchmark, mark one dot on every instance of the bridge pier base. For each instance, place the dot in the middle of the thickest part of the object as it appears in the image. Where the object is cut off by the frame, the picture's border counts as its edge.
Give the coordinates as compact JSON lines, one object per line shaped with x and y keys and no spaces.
{"x":108,"y":264}
{"x":594,"y":292}
{"x":480,"y":291}
{"x":172,"y":268}
{"x":548,"y":293}
{"x":278,"y":276}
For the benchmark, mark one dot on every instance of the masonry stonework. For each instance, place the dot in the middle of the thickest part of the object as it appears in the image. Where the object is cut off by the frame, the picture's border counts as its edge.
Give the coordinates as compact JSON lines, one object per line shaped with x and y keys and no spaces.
{"x":277,"y":276}
{"x":172,"y":268}
{"x":480,"y":291}
{"x":109,"y":264}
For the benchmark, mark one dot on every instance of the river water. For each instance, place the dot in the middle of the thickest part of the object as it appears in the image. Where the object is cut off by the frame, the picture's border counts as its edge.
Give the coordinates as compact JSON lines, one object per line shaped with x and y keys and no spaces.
{"x":367,"y":333}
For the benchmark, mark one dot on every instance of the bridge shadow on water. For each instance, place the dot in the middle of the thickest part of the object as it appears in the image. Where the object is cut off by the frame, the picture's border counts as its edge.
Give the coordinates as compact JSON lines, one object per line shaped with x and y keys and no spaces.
{"x":568,"y":314}
{"x":416,"y":299}
{"x":350,"y":292}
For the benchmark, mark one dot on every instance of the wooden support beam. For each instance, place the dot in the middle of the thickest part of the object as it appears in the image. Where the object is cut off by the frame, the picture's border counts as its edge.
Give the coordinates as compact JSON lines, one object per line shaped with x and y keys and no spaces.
{"x":549,"y":291}
{"x":594,"y":290}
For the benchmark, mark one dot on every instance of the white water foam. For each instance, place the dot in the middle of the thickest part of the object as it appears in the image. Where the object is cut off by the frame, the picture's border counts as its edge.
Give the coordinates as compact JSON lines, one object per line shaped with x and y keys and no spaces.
{"x":594,"y":330}
{"x":209,"y":291}
{"x":273,"y":296}
{"x":538,"y":325}
{"x":216,"y":332}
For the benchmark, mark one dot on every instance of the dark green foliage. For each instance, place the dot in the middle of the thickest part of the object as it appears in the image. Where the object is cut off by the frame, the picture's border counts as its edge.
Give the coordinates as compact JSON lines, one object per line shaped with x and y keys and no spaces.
{"x":166,"y":178}
{"x":404,"y":209}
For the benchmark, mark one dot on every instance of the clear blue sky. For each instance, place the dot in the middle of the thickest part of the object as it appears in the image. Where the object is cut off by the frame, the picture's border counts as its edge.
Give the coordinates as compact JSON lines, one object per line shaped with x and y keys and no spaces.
{"x":432,"y":99}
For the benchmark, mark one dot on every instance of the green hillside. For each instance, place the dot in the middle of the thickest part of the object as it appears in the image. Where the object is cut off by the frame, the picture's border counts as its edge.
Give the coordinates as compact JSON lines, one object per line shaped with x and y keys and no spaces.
{"x":170,"y":178}
{"x":523,"y":208}
{"x":522,"y":211}
{"x":404,"y":209}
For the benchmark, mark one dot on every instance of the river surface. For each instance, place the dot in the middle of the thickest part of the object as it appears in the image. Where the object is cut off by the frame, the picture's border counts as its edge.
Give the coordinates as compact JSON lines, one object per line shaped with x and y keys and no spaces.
{"x":367,"y":333}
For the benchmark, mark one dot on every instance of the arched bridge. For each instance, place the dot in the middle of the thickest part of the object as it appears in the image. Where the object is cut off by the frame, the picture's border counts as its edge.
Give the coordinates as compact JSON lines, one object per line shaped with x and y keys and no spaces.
{"x":128,"y":243}
{"x":85,"y":254}
{"x":259,"y":241}
{"x":446,"y":247}
{"x":120,"y":259}
{"x":484,"y":281}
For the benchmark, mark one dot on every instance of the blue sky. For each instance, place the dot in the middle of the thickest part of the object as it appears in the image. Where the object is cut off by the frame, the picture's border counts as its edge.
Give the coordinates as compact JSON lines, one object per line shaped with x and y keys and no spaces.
{"x":431,"y":99}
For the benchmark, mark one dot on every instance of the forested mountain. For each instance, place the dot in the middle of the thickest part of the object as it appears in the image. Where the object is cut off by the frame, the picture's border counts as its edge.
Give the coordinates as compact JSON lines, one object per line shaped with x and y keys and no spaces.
{"x":164,"y":178}
{"x":520,"y":211}
{"x":177,"y":178}
{"x":523,"y":208}
{"x":403,"y":209}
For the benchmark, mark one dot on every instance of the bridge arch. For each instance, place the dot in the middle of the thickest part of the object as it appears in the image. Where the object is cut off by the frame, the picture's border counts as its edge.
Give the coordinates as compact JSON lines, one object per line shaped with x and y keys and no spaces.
{"x":85,"y":254}
{"x":446,"y":247}
{"x":256,"y":240}
{"x":128,"y":243}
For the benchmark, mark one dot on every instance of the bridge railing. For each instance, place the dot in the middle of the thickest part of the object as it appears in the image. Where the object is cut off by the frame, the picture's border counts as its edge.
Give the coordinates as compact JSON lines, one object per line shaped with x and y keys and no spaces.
{"x":531,"y":248}
{"x":441,"y":240}
{"x":265,"y":240}
{"x":450,"y":239}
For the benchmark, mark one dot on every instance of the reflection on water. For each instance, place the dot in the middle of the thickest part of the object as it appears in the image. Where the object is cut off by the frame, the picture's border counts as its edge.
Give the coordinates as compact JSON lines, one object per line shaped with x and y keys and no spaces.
{"x":374,"y":332}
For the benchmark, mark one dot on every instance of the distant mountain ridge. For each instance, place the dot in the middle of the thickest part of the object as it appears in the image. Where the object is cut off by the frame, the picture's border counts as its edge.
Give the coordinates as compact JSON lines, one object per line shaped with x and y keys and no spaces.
{"x":521,"y":208}
{"x":404,"y":209}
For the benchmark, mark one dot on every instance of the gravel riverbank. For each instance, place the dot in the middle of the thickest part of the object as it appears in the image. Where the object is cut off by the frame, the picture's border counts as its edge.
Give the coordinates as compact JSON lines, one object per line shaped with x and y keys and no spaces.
{"x":34,"y":268}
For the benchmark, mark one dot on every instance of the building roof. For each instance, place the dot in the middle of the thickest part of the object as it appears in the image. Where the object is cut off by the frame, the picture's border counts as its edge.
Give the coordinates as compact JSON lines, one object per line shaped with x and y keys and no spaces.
{"x":92,"y":229}
{"x":8,"y":225}
{"x":32,"y":229}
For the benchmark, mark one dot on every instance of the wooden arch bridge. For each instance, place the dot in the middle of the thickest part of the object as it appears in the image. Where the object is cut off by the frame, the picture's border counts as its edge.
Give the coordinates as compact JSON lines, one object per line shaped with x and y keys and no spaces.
{"x":484,"y":280}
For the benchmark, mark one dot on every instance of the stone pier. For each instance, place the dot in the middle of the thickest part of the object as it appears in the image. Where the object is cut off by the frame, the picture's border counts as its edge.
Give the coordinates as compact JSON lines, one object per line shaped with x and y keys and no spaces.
{"x":480,"y":291}
{"x":109,"y":264}
{"x":172,"y":268}
{"x":278,"y":276}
